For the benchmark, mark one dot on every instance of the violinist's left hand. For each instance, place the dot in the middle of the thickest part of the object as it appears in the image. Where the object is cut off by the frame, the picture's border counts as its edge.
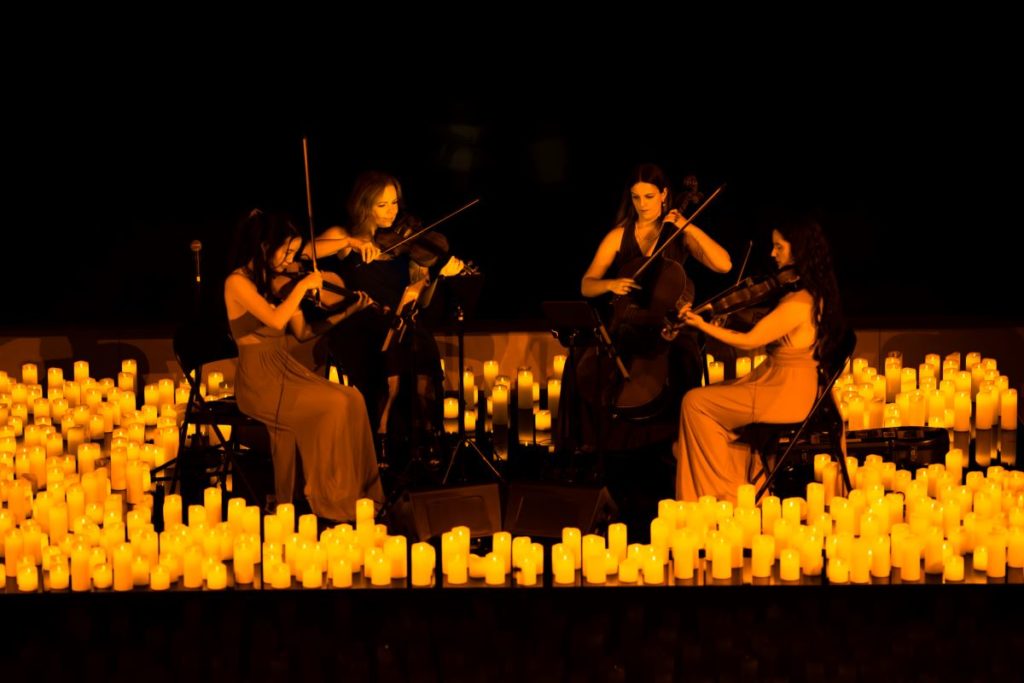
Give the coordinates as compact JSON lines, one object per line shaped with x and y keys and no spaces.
{"x":688,"y":317}
{"x":366,"y":248}
{"x":363,"y":301}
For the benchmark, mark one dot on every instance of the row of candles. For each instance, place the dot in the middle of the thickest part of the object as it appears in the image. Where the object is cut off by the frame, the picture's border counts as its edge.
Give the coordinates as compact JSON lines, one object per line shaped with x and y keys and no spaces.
{"x":908,"y":396}
{"x":892,"y":521}
{"x":56,"y":503}
{"x":500,"y":393}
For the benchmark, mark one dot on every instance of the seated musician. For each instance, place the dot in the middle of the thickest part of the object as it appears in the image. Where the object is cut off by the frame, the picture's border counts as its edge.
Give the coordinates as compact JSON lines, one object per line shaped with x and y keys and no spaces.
{"x":326,"y":421}
{"x":646,"y":218}
{"x":803,"y":328}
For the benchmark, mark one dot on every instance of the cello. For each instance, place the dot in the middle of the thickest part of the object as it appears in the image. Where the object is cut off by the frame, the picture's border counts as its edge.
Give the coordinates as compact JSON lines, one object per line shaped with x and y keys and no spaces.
{"x":637,"y":318}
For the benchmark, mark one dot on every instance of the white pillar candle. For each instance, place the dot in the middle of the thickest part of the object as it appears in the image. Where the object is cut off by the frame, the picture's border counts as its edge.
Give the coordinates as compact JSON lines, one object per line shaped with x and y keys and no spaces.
{"x":558,"y":365}
{"x":1008,"y":409}
{"x":984,"y":410}
{"x":499,"y":404}
{"x":554,"y":396}
{"x":789,"y":565}
{"x":716,"y":372}
{"x":542,"y":420}
{"x":451,"y":408}
{"x":962,"y":411}
{"x":762,"y":555}
{"x":490,"y":373}
{"x":524,"y":379}
{"x":29,"y":375}
{"x":743,"y":364}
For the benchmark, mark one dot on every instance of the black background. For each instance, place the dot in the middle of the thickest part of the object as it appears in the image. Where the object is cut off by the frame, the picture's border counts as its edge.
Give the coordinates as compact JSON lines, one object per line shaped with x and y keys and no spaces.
{"x":113,"y":170}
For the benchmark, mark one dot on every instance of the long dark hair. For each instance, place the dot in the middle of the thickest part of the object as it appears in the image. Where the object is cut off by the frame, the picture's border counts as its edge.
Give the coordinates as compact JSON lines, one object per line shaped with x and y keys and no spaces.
{"x":644,"y":173}
{"x":367,"y":188}
{"x":813,"y":261}
{"x":257,"y":237}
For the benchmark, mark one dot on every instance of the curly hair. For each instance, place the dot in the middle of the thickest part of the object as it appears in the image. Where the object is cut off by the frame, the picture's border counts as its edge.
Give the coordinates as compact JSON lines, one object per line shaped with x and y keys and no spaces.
{"x":257,"y":237}
{"x":813,"y":261}
{"x":367,"y":188}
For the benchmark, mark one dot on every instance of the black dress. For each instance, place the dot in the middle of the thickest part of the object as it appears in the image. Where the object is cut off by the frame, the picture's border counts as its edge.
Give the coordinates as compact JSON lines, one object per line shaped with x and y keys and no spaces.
{"x":356,"y":343}
{"x":589,"y":422}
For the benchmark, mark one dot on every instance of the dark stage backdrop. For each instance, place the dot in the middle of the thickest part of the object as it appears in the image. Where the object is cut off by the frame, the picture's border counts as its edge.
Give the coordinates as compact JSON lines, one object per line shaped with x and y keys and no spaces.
{"x":905,"y":179}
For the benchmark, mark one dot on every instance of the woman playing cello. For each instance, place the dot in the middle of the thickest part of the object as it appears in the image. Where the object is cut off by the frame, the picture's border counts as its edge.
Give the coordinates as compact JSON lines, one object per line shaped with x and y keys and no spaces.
{"x":646,"y":219}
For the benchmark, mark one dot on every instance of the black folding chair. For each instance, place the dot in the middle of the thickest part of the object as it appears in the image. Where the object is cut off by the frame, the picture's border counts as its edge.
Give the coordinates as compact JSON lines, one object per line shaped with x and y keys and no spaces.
{"x":210,"y":456}
{"x":821,"y":431}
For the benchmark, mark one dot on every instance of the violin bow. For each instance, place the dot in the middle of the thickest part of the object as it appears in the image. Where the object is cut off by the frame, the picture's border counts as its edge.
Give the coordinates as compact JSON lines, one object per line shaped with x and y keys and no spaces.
{"x":309,"y":213}
{"x":433,"y":225}
{"x":679,"y":231}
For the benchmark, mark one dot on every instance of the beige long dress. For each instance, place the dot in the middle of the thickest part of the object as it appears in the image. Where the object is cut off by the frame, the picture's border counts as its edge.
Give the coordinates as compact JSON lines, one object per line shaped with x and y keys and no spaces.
{"x":711,"y":462}
{"x":327,"y":421}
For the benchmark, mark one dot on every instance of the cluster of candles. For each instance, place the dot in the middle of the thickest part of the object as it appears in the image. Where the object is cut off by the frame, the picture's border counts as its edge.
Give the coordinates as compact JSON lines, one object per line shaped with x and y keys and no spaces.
{"x":77,"y":511}
{"x":944,"y":393}
{"x":501,"y":393}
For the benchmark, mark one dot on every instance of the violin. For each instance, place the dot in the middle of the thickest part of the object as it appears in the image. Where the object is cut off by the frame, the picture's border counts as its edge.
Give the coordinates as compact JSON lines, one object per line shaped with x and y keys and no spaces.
{"x":751,"y":291}
{"x":424,"y":249}
{"x":424,"y":246}
{"x":333,"y":296}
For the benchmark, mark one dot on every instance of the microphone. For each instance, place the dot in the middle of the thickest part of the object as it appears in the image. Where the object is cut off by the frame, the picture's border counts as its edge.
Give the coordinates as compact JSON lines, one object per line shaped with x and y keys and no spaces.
{"x":196,"y":247}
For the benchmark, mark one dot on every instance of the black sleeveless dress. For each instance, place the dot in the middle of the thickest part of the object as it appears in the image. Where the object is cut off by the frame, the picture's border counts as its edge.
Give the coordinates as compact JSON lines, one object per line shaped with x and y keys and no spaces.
{"x":587,"y":421}
{"x":356,"y":343}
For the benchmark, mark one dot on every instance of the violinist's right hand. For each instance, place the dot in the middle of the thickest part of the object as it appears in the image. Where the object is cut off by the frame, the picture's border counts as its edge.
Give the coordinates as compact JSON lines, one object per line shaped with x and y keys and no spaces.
{"x":622,"y":285}
{"x":313,"y":281}
{"x":366,"y":248}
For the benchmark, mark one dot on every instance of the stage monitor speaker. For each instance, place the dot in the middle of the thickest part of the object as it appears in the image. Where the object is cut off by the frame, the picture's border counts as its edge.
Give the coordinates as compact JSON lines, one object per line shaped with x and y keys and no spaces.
{"x":543,"y":510}
{"x":427,"y":514}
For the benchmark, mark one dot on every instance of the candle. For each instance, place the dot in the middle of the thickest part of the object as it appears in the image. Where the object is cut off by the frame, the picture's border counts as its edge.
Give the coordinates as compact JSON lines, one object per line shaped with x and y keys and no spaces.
{"x":494,"y":570}
{"x":457,"y":569}
{"x":469,"y":389}
{"x":1008,"y":409}
{"x":490,"y":373}
{"x":962,"y":411}
{"x":789,"y":565}
{"x":743,"y":364}
{"x":499,"y":402}
{"x":422,"y":564}
{"x":29,"y":375}
{"x":542,"y":420}
{"x":554,"y":395}
{"x":954,"y":569}
{"x":524,"y":379}
{"x":716,"y":372}
{"x":451,"y":408}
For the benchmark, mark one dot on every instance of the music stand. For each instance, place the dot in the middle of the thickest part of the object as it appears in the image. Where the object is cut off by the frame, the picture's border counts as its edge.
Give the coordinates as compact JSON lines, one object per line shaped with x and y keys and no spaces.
{"x":575,"y":324}
{"x":460,"y":295}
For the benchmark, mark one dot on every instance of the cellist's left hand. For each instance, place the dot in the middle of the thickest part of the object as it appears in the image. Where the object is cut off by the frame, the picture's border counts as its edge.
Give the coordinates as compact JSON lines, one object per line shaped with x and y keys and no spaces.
{"x":677,"y":219}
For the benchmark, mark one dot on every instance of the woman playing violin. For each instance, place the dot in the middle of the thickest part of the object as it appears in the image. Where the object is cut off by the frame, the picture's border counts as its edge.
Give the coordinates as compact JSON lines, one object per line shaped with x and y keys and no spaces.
{"x":327,"y":422}
{"x":646,"y":217}
{"x":374,"y":206}
{"x":802,"y":329}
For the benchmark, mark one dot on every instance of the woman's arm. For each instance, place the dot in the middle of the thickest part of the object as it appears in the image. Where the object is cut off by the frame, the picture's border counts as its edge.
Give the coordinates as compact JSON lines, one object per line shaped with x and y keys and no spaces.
{"x":793,"y":311}
{"x":699,"y":243}
{"x":240,"y":295}
{"x":593,"y":283}
{"x":336,"y":241}
{"x":304,"y":330}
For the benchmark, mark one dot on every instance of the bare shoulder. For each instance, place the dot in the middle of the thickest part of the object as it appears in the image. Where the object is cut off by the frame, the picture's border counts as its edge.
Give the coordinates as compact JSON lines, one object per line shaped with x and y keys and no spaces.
{"x":614,"y":238}
{"x":334,"y":232}
{"x":801,"y":297}
{"x":237,"y":281}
